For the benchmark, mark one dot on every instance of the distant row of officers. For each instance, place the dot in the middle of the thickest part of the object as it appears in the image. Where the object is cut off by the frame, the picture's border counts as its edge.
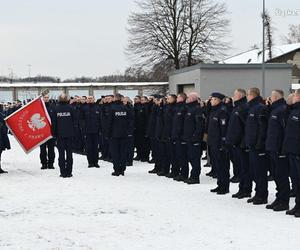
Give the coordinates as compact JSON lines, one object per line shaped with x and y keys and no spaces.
{"x":256,"y":135}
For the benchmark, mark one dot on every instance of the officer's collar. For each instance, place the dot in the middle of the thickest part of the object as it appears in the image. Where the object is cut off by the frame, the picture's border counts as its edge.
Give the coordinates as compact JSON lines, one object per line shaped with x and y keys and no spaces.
{"x":193,"y":103}
{"x":296,"y":105}
{"x":240,"y":101}
{"x":278,"y":103}
{"x":217,"y":106}
{"x":255,"y":101}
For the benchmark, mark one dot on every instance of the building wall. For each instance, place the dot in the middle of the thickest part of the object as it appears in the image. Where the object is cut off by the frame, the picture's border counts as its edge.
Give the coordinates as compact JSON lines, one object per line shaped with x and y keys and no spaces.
{"x":184,"y":78}
{"x":227,"y":78}
{"x":292,"y":58}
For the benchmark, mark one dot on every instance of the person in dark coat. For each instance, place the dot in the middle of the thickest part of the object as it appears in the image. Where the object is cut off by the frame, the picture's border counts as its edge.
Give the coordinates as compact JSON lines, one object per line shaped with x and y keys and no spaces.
{"x":291,"y":146}
{"x":90,"y":114}
{"x":4,"y":140}
{"x":255,"y":138}
{"x":47,"y":152}
{"x":177,"y":137}
{"x":274,"y":142}
{"x":217,"y":129}
{"x":63,"y":130}
{"x":193,"y":131}
{"x":236,"y":140}
{"x":120,"y":124}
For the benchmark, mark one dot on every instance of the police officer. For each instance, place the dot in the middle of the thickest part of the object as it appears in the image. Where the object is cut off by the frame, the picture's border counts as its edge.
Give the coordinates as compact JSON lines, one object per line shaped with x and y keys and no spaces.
{"x":4,"y":140}
{"x":169,"y":157}
{"x":63,"y":130}
{"x":47,"y":153}
{"x":193,"y":132}
{"x":91,"y":120}
{"x":120,"y":125}
{"x":217,"y":128}
{"x":255,"y":137}
{"x":177,"y":137}
{"x":235,"y":138}
{"x":274,"y":142}
{"x":291,"y":146}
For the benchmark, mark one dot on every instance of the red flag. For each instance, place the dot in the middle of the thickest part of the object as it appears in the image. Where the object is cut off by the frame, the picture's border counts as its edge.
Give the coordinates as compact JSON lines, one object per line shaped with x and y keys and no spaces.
{"x":31,"y":125}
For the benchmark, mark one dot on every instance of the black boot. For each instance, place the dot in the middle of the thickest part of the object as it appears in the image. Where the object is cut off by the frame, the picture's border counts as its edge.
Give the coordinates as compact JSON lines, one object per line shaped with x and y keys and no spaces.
{"x":223,"y":191}
{"x":153,"y":171}
{"x":281,"y":207}
{"x":192,"y":181}
{"x":180,"y":178}
{"x":236,"y":195}
{"x":235,"y":179}
{"x":50,"y":166}
{"x":161,"y":173}
{"x":171,"y":175}
{"x":44,"y":166}
{"x":96,"y":165}
{"x":244,"y":195}
{"x":115,"y":173}
{"x":273,"y":204}
{"x":292,"y":211}
{"x":3,"y":171}
{"x":260,"y":201}
{"x":251,"y":199}
{"x":215,"y":190}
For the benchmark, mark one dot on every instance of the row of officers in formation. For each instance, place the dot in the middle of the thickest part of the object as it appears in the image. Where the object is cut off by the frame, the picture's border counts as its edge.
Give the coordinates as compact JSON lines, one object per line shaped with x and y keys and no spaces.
{"x":258,"y":136}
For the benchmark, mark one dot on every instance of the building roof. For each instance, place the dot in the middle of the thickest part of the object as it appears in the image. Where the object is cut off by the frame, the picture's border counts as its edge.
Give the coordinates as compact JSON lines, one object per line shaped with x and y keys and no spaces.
{"x":255,"y":55}
{"x":219,"y":66}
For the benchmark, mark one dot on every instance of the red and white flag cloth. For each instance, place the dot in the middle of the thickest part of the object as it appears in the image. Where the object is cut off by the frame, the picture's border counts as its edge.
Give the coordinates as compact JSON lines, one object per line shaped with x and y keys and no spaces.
{"x":31,"y":125}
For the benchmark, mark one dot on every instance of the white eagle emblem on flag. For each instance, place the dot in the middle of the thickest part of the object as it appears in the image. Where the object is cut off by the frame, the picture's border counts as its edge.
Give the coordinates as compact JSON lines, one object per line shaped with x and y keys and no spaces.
{"x":36,"y":122}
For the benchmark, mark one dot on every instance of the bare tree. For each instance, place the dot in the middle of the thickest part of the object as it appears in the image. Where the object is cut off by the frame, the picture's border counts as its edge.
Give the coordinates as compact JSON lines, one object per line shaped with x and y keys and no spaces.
{"x":293,"y":35}
{"x":269,"y":33}
{"x":206,"y":27}
{"x":184,"y":31}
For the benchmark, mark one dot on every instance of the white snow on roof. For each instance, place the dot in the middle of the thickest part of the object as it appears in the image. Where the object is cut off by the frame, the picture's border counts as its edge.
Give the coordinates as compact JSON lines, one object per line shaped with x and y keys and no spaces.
{"x":49,"y":84}
{"x":255,"y":55}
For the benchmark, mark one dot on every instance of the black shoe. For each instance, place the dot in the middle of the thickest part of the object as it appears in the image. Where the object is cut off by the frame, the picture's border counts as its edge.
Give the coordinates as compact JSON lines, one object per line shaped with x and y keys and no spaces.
{"x":251,"y":199}
{"x":293,"y":193}
{"x":115,"y":173}
{"x":236,"y":195}
{"x":215,"y":190}
{"x":292,"y":211}
{"x":272,"y":205}
{"x":180,"y":178}
{"x":210,"y":174}
{"x":260,"y":201}
{"x":63,"y":176}
{"x":235,"y":179}
{"x":244,"y":195}
{"x":122,"y":173}
{"x":91,"y":166}
{"x":222,"y":192}
{"x":153,"y":171}
{"x":281,"y":207}
{"x":3,"y":171}
{"x":161,"y":173}
{"x":171,"y":175}
{"x":297,"y":213}
{"x":69,"y":175}
{"x":50,"y":166}
{"x":192,"y":181}
{"x":152,"y":161}
{"x":96,"y":165}
{"x":44,"y":166}
{"x":207,"y":165}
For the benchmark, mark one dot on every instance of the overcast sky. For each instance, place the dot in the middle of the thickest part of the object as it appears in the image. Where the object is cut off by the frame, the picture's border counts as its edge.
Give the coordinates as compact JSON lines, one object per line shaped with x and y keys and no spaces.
{"x":68,"y":38}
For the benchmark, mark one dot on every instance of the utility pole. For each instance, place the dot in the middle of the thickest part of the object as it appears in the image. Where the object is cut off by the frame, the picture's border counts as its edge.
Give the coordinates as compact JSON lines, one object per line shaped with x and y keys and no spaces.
{"x":263,"y":52}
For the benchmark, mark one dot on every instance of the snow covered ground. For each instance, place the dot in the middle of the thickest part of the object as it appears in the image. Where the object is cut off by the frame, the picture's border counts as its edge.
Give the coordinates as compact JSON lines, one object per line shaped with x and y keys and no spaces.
{"x":93,"y":210}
